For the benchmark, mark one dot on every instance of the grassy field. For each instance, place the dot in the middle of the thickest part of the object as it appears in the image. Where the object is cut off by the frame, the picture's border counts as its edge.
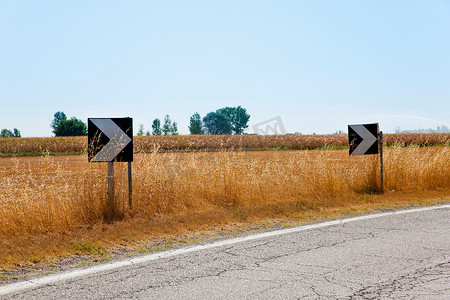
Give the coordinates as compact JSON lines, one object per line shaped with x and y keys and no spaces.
{"x":56,"y":206}
{"x":188,"y":143}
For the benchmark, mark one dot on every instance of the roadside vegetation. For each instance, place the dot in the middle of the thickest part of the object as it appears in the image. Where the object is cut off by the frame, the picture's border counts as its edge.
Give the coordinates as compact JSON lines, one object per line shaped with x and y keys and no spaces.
{"x":57,"y":206}
{"x":193,"y":143}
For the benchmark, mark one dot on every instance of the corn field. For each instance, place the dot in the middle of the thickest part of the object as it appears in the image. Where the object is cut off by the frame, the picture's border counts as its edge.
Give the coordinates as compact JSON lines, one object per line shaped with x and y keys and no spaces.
{"x":188,"y":143}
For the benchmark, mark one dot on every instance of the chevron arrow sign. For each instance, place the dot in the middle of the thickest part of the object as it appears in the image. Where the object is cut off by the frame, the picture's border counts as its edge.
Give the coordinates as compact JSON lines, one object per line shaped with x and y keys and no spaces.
{"x":363,"y":139}
{"x":110,"y":140}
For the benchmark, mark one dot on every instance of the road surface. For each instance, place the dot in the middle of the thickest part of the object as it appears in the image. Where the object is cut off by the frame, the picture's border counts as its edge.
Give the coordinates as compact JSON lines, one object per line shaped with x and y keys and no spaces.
{"x":394,"y":255}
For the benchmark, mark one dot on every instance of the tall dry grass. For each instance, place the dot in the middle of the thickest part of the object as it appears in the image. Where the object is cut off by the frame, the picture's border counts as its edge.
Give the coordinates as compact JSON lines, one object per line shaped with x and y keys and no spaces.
{"x":49,"y":194}
{"x":417,"y":169}
{"x":59,"y":194}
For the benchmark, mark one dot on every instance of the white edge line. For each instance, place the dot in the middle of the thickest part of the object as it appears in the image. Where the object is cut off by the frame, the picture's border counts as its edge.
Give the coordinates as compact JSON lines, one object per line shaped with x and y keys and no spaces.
{"x":37,"y":282}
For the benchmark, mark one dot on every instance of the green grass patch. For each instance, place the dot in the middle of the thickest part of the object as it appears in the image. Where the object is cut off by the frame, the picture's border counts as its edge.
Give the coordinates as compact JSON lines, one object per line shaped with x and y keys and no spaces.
{"x":90,"y":248}
{"x":153,"y":249}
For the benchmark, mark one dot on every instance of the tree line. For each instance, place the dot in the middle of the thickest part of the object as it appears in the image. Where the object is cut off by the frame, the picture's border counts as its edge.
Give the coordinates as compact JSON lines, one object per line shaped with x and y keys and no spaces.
{"x":6,"y":133}
{"x":61,"y":126}
{"x":439,"y":129}
{"x":168,"y":127}
{"x":227,"y":120}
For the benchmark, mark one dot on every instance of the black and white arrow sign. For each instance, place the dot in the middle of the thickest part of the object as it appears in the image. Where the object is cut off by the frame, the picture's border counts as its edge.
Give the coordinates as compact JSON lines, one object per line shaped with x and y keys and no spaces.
{"x":110,"y":139}
{"x":362,"y":139}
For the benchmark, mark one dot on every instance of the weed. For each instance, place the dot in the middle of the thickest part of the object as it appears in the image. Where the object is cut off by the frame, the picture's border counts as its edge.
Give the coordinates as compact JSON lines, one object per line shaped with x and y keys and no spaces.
{"x":85,"y":247}
{"x":35,"y":259}
{"x":240,"y":216}
{"x":102,"y":259}
{"x":153,"y":249}
{"x":83,"y":263}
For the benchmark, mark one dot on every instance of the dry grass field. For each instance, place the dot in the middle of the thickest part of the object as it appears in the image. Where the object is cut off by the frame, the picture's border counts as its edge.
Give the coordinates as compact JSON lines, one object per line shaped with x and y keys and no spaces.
{"x":53,"y":206}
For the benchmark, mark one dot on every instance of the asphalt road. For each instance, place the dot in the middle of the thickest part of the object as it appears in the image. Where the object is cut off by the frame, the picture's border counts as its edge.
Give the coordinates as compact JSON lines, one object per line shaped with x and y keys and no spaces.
{"x":402,"y":255}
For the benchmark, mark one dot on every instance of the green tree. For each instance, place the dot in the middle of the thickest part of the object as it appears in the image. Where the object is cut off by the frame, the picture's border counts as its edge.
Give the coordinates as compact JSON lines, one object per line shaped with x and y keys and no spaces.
{"x":174,"y":129}
{"x":64,"y":127}
{"x":71,"y":127}
{"x":17,"y":133}
{"x":196,"y":124}
{"x":140,"y":130}
{"x":217,"y":123}
{"x":58,"y":117}
{"x":167,"y":126}
{"x":156,"y":127}
{"x":238,"y":116}
{"x":6,"y":133}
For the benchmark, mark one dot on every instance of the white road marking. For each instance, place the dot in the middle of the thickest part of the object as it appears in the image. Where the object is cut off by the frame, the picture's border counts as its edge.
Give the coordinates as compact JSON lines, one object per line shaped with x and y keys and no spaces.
{"x":51,"y":279}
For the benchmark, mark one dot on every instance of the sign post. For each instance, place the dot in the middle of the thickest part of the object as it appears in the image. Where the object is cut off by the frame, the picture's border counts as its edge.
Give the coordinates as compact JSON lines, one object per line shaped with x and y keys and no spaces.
{"x":366,"y":139}
{"x":130,"y":186}
{"x":111,"y":184}
{"x":380,"y":135}
{"x":111,"y":140}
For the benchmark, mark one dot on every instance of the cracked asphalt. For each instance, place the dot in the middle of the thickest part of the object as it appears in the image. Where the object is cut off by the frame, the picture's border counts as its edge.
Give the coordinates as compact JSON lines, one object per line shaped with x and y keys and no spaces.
{"x":405,"y":256}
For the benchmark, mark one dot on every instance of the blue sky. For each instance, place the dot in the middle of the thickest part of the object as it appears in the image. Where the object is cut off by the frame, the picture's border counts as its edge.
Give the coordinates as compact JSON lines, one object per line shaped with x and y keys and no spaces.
{"x":319,"y":65}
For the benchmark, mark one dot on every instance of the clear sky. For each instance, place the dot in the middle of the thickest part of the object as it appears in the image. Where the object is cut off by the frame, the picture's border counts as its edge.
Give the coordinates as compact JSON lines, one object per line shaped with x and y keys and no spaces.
{"x":319,"y":65}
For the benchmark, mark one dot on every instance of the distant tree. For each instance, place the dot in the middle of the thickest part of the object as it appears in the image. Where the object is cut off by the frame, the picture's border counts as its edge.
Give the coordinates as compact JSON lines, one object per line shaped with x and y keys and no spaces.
{"x":443,"y":129}
{"x":156,"y":127}
{"x":6,"y":133}
{"x":196,"y":124}
{"x":167,"y":126}
{"x":64,"y":127}
{"x":58,"y":117}
{"x":217,"y":123}
{"x":140,"y":130}
{"x":238,"y":117}
{"x":174,"y":129}
{"x":17,"y":133}
{"x":71,"y":127}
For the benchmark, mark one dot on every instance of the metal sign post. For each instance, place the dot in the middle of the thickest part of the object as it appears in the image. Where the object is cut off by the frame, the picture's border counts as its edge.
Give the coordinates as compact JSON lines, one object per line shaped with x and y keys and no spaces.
{"x":111,"y":184}
{"x":380,"y":135}
{"x":130,"y":186}
{"x":111,"y":140}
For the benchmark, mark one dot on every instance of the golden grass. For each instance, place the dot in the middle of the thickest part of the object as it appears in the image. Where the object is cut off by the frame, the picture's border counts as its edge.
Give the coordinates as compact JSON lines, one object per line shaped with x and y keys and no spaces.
{"x":78,"y":145}
{"x":52,"y":205}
